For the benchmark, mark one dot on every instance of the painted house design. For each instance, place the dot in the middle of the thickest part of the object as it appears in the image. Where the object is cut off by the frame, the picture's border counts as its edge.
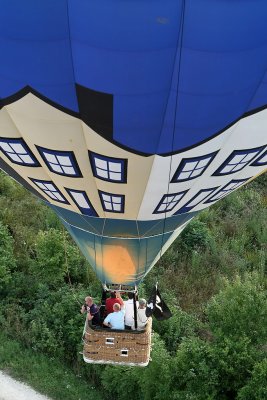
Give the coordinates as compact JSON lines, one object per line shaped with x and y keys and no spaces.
{"x":129,"y":120}
{"x":84,"y":173}
{"x":88,"y":179}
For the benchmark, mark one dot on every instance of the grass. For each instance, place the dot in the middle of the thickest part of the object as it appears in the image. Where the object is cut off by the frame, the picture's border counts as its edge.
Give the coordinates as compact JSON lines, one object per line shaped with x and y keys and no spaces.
{"x":45,"y":375}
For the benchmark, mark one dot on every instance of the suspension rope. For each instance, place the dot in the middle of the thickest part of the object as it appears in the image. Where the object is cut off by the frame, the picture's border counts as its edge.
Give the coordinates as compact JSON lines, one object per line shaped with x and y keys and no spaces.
{"x":139,"y":250}
{"x":101,"y":245}
{"x":179,"y":41}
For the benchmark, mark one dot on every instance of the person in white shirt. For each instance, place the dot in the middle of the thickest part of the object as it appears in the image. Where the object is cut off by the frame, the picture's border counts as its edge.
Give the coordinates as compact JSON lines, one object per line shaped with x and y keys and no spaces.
{"x":129,"y":311}
{"x":141,"y":315}
{"x":115,"y":320}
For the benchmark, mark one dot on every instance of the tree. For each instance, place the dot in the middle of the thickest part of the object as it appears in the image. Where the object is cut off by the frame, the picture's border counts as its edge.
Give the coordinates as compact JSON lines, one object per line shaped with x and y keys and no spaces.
{"x":50,"y":266}
{"x":7,"y":258}
{"x":256,"y":388}
{"x":240,"y":310}
{"x":194,"y":372}
{"x":147,"y":383}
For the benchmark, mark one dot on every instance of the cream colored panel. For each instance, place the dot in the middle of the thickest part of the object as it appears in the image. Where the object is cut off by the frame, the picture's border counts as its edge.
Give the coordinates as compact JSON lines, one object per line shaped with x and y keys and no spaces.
{"x":147,"y":178}
{"x":137,"y":177}
{"x":248,"y":133}
{"x":7,"y":126}
{"x":162,"y":172}
{"x":41,"y":124}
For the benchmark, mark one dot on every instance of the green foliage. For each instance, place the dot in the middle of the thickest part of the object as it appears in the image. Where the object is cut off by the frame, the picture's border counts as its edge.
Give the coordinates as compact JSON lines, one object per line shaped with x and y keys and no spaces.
{"x":120,"y":383}
{"x":45,"y":374}
{"x":155,"y":379}
{"x":256,"y":388}
{"x":237,"y":318}
{"x":7,"y":258}
{"x":240,"y":310}
{"x":58,"y":260}
{"x":147,"y":383}
{"x":44,"y":339}
{"x":24,"y":215}
{"x":196,"y":236}
{"x":13,"y":321}
{"x":22,"y":290}
{"x":234,"y":361}
{"x":55,"y":324}
{"x":213,"y":278}
{"x":50,"y":254}
{"x":175,"y":329}
{"x":236,"y":243}
{"x":194,"y":373}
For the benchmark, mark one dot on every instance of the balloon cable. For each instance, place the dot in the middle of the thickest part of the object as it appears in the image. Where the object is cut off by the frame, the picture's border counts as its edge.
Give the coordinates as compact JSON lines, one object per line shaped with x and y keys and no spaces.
{"x":179,"y":41}
{"x":101,"y":245}
{"x":139,"y":244}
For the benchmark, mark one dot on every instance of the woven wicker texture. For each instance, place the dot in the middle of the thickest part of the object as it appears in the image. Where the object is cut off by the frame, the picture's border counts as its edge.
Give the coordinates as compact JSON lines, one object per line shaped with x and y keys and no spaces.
{"x":126,"y":347}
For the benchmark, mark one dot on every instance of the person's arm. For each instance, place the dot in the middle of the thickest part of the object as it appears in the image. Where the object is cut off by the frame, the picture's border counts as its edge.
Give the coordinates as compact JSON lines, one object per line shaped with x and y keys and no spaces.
{"x":120,"y":300}
{"x":106,"y":322}
{"x":90,"y":316}
{"x":106,"y":304}
{"x":83,"y":309}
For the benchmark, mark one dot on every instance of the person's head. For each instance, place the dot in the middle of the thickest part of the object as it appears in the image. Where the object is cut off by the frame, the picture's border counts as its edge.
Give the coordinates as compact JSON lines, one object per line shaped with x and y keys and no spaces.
{"x":88,"y":300}
{"x":142,"y":303}
{"x":113,"y":295}
{"x":116,"y":307}
{"x":130,"y":295}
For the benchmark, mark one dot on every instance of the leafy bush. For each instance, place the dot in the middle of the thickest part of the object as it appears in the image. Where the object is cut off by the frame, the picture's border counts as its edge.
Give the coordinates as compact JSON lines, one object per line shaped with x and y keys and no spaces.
{"x":234,"y":361}
{"x":194,"y":372}
{"x":121,"y":383}
{"x":50,"y":266}
{"x":7,"y":258}
{"x":175,"y":329}
{"x":59,"y":315}
{"x":240,"y":310}
{"x":43,"y":339}
{"x":256,"y":388}
{"x":196,"y":236}
{"x":217,"y":355}
{"x":147,"y":383}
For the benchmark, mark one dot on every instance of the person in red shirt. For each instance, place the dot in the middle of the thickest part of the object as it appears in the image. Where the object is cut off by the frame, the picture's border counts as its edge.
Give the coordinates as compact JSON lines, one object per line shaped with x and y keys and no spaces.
{"x":115,"y":297}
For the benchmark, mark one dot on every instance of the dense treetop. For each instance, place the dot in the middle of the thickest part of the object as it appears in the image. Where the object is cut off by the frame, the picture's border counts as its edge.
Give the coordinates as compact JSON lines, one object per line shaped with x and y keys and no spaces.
{"x":213,"y":278}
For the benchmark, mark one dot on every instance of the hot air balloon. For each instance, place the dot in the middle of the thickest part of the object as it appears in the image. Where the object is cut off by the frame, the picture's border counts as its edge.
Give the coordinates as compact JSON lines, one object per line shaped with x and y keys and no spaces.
{"x":129,"y":118}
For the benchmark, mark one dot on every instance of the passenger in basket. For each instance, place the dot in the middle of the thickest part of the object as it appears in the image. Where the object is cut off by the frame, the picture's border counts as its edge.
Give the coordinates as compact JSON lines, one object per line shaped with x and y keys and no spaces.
{"x":115,"y":297}
{"x":115,"y":320}
{"x":129,"y":311}
{"x":92,"y":310}
{"x":141,"y":315}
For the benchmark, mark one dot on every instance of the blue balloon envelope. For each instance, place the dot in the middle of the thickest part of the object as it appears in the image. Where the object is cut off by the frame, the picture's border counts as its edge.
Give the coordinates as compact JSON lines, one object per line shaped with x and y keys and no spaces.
{"x":129,"y":118}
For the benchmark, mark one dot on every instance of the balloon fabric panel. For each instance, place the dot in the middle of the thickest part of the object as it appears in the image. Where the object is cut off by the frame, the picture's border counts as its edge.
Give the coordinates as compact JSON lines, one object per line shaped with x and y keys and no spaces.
{"x":129,"y":118}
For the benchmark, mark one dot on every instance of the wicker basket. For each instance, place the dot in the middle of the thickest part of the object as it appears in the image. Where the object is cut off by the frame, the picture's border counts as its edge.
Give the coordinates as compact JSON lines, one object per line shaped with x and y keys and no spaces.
{"x":110,"y":346}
